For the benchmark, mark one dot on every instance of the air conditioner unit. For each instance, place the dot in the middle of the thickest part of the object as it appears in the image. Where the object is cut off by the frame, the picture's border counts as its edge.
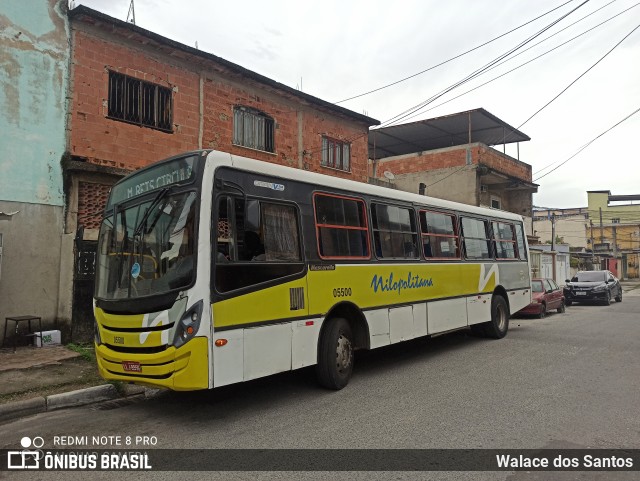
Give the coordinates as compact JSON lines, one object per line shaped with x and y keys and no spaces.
{"x":484,"y":188}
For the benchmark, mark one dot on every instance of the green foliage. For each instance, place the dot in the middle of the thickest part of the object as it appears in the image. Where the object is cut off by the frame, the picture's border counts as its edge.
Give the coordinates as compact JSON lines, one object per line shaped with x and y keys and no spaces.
{"x":85,"y":350}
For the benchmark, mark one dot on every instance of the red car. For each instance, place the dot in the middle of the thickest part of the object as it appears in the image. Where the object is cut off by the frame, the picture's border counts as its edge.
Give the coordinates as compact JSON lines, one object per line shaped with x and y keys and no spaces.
{"x":546,"y":295}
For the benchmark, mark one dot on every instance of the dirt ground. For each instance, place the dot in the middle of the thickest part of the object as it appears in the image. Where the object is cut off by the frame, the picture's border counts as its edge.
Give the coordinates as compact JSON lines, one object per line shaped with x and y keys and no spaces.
{"x":34,"y":372}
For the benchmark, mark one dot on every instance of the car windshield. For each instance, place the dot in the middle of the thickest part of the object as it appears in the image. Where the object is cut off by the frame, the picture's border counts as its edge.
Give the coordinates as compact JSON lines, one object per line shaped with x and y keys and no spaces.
{"x":537,"y":286}
{"x":594,"y":276}
{"x":147,"y":248}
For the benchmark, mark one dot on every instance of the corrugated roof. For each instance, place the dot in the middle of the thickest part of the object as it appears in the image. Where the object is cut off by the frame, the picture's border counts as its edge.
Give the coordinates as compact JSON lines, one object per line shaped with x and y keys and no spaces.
{"x":456,"y":129}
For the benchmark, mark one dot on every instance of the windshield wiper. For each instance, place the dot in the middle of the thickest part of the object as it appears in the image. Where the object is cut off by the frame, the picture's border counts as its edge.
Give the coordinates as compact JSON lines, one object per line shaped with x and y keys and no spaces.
{"x":156,"y":200}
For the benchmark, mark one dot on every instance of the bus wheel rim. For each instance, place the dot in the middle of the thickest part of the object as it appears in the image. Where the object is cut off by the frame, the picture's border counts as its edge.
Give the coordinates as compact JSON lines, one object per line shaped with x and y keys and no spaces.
{"x":344,"y":353}
{"x":502,"y":318}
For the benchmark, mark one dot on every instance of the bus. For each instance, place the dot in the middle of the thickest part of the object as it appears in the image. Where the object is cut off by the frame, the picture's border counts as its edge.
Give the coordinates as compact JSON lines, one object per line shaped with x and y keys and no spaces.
{"x":214,"y":269}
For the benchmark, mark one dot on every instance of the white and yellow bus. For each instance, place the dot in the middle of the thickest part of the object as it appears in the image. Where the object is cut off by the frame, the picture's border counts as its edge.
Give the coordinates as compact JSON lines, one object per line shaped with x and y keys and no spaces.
{"x":214,"y":269}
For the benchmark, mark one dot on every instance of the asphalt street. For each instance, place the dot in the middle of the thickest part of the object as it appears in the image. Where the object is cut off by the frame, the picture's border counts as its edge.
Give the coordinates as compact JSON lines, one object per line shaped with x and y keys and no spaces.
{"x":569,"y":380}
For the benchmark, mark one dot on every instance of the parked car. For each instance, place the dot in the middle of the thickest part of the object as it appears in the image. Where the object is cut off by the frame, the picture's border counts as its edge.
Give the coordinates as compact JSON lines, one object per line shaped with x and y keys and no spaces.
{"x":546,"y":295}
{"x":589,"y":286}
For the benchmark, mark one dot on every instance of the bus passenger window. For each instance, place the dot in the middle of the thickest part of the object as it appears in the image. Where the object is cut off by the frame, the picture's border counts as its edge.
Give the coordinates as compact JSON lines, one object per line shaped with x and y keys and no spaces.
{"x":504,"y":240}
{"x":341,"y":227}
{"x":476,"y":240}
{"x":395,"y":234}
{"x":439,"y":235}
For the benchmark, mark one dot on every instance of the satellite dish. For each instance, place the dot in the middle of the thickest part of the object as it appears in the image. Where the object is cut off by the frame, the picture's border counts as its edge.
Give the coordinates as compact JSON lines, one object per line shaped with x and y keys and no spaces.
{"x":389,"y":175}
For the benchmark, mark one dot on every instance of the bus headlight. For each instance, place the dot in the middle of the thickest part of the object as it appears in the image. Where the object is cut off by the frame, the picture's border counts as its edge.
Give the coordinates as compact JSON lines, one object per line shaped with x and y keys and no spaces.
{"x":188,"y":325}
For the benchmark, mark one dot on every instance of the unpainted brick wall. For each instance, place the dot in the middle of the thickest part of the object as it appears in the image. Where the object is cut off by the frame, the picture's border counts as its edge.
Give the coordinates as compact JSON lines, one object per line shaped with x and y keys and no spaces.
{"x":456,"y":157}
{"x":118,"y":144}
{"x":92,"y":199}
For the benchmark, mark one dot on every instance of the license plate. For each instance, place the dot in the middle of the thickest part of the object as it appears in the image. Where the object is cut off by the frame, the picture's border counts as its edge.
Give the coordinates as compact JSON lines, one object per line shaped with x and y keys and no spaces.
{"x":581,"y":293}
{"x":131,"y":366}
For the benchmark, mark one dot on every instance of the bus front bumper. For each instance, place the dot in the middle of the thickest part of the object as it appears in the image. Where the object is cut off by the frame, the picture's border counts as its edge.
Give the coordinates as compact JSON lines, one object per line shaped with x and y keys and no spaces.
{"x":182,"y":369}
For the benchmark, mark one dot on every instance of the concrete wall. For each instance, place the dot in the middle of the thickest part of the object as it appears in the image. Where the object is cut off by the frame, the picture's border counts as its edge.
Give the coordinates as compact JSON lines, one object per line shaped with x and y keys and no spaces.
{"x":33,"y":82}
{"x":449,"y":183}
{"x":571,"y":229}
{"x":34,"y":56}
{"x":456,"y":173}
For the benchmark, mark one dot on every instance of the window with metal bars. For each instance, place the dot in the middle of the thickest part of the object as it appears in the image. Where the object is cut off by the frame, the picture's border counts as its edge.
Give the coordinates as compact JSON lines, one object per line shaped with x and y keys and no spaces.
{"x":336,"y":154}
{"x":253,"y":129}
{"x":139,"y":102}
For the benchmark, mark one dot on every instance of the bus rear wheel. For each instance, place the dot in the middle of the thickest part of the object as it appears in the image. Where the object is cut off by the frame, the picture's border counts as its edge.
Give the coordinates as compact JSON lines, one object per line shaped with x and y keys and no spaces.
{"x":335,"y":354}
{"x":498,"y":326}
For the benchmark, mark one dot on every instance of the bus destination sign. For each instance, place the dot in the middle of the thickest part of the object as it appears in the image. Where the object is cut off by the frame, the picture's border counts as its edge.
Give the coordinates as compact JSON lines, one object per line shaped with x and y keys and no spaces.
{"x":162,"y":175}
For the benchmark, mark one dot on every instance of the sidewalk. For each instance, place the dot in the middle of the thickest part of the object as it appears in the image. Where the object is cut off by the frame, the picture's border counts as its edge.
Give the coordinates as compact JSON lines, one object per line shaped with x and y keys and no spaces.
{"x":34,"y":380}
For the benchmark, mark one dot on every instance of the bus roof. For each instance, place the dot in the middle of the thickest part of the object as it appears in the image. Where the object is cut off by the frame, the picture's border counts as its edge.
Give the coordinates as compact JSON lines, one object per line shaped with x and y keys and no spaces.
{"x":275,"y":170}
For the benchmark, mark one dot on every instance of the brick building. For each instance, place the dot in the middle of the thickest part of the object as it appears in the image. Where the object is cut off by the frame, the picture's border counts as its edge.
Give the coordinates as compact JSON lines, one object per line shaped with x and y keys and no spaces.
{"x":137,"y":97}
{"x":453,"y":158}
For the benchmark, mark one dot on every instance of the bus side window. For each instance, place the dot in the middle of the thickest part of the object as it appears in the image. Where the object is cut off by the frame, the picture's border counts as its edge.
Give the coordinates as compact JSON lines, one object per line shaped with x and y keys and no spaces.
{"x":265,"y":243}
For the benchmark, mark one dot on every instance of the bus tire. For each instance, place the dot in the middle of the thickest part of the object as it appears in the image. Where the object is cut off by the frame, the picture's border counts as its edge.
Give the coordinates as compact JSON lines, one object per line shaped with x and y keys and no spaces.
{"x":498,"y":326}
{"x":335,"y":354}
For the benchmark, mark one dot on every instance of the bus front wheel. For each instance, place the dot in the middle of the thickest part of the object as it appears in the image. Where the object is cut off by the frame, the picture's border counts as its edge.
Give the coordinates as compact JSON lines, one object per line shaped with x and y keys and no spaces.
{"x":335,"y":354}
{"x":498,"y":326}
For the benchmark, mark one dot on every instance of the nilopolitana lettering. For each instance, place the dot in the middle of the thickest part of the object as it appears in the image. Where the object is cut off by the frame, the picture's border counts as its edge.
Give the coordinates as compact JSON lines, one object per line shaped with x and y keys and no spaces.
{"x":382,"y":284}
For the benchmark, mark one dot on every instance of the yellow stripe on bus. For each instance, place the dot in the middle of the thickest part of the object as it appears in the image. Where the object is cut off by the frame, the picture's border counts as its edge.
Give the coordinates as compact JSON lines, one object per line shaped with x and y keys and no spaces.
{"x":367,"y":286}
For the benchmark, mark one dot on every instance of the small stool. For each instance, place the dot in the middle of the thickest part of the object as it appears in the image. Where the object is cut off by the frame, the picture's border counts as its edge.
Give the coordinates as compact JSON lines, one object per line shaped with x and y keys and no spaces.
{"x":17,"y":320}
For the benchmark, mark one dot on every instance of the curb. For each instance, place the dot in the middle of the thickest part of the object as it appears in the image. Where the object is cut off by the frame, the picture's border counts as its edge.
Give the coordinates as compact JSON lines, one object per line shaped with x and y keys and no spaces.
{"x":81,"y":397}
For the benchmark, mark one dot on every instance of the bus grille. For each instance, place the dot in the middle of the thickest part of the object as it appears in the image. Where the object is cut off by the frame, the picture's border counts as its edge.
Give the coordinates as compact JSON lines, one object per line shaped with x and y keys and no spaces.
{"x":296,"y":298}
{"x":137,"y":350}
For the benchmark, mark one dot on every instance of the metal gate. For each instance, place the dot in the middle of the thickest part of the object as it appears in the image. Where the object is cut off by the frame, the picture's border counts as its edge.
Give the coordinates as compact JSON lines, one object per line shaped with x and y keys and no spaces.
{"x":83,"y":280}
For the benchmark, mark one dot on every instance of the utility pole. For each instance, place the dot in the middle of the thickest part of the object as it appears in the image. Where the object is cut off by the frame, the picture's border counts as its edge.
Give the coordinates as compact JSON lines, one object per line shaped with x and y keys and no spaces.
{"x":601,"y":228}
{"x":592,"y":254}
{"x":553,"y":245}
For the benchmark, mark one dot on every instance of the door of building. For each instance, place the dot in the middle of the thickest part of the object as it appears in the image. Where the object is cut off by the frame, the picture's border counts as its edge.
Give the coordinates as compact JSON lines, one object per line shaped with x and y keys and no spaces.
{"x":83,"y":280}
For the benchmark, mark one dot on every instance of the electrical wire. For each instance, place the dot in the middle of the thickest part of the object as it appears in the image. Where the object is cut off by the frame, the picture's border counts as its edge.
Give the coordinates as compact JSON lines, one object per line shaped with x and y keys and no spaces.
{"x":530,"y":60}
{"x":589,"y":143}
{"x":477,"y":72}
{"x":578,"y":78}
{"x":459,"y":55}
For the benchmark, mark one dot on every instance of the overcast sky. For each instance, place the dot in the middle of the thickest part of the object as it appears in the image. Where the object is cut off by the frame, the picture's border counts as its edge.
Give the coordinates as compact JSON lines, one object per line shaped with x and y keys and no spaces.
{"x":337,"y":49}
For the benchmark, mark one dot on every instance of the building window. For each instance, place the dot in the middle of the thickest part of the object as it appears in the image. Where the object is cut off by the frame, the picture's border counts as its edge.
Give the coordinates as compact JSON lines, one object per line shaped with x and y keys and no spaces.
{"x":615,"y":220}
{"x":341,"y":227}
{"x":395,"y":234}
{"x":476,"y":240}
{"x":139,"y":102}
{"x":439,"y":235}
{"x":253,"y":129}
{"x":495,"y":203}
{"x":336,"y":154}
{"x":504,"y":238}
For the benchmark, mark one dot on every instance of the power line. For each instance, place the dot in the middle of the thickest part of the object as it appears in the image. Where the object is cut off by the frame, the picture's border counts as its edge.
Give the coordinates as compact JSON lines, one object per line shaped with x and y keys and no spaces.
{"x":531,"y":60}
{"x":479,"y":71}
{"x":578,"y":78}
{"x":457,"y":56}
{"x":589,"y":143}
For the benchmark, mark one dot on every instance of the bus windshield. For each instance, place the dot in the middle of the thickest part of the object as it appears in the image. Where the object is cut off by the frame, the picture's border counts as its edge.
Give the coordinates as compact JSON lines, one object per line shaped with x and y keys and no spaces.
{"x":147,"y":248}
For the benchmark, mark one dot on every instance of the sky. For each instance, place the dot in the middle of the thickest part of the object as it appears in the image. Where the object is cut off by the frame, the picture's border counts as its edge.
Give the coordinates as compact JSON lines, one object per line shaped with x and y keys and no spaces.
{"x":338,"y":49}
